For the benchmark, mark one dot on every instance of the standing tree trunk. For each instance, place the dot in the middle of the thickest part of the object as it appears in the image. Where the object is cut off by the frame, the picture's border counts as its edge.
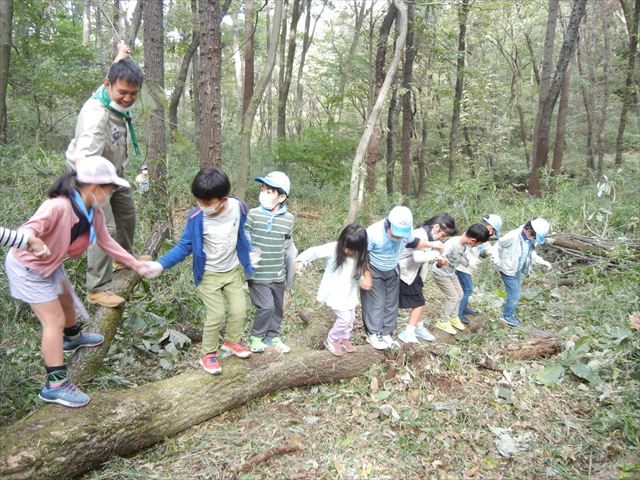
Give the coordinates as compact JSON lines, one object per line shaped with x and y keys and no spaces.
{"x":561,"y":123}
{"x":178,"y":89}
{"x":356,"y":169}
{"x":282,"y":55}
{"x":283,"y":94}
{"x":605,"y":98}
{"x":373,"y":151}
{"x":392,"y":117}
{"x":463,"y":11}
{"x":543,"y":120}
{"x":630,"y":84}
{"x":136,"y":20}
{"x":587,"y":97}
{"x":86,"y":22}
{"x":249,"y":115}
{"x":6,"y":15}
{"x":210,"y":134}
{"x":247,"y":83}
{"x":155,"y":135}
{"x":407,"y":114}
{"x":195,"y":71}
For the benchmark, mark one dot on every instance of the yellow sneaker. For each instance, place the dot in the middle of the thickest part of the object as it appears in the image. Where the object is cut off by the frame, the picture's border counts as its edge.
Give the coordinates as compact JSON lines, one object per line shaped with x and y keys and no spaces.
{"x":106,"y":298}
{"x":446,"y":327}
{"x":455,"y":321}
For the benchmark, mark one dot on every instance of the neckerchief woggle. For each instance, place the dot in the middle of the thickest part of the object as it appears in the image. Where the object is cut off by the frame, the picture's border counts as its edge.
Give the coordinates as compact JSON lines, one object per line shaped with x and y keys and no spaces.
{"x":77,"y":200}
{"x":282,"y":210}
{"x":103,"y":96}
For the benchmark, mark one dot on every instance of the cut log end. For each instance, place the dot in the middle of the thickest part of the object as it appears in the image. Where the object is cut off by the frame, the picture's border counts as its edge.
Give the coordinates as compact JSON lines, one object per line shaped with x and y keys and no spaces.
{"x":534,"y":348}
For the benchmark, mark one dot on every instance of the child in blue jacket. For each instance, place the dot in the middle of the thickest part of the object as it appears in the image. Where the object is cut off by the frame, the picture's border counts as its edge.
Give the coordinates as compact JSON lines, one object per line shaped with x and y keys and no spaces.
{"x":215,"y":236}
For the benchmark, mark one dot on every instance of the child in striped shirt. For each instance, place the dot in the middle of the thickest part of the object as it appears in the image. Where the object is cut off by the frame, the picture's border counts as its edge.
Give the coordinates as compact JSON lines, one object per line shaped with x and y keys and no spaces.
{"x":23,"y":241}
{"x":270,"y":228}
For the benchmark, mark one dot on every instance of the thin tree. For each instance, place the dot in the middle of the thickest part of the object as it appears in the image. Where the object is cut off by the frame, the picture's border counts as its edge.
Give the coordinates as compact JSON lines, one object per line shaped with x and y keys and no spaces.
{"x":132,"y":29}
{"x":247,"y":83}
{"x":283,"y":93}
{"x":407,"y":113}
{"x":463,"y":12}
{"x":561,"y":123}
{"x":6,"y":15}
{"x":629,"y":84}
{"x":373,"y":150}
{"x":252,"y":107}
{"x":210,"y":118}
{"x":356,"y":168}
{"x":543,"y":119}
{"x":155,"y":135}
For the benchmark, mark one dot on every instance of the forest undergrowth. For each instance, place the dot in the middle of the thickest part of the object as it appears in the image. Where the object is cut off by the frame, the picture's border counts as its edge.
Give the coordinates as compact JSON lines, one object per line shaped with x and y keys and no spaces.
{"x":464,"y":410}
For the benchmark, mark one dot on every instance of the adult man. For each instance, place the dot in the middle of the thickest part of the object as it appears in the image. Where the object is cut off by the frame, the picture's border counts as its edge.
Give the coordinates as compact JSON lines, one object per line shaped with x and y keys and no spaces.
{"x":102,"y":130}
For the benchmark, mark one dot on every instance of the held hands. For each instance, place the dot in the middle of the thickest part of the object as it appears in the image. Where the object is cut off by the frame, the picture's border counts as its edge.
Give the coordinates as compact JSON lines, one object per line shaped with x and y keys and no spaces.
{"x":255,"y":255}
{"x":367,"y":281}
{"x":37,"y":247}
{"x":299,"y":267}
{"x":474,"y":262}
{"x":442,"y":262}
{"x":437,"y":246}
{"x":148,"y":269}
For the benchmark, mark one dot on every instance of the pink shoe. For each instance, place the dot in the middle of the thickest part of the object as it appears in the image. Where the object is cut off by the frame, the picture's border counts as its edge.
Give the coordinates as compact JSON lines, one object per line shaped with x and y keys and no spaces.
{"x":210,"y":364}
{"x":237,"y":349}
{"x":334,"y":347}
{"x":347,"y":345}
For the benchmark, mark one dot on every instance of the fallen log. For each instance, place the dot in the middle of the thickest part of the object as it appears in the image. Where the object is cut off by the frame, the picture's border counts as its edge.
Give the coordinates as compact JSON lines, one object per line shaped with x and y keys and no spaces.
{"x":86,"y":361}
{"x":58,"y":442}
{"x":579,"y":244}
{"x":534,"y":348}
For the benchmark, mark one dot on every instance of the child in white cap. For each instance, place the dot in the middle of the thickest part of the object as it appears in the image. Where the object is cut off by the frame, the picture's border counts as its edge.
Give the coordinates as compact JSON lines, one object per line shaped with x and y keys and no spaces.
{"x":464,"y":273}
{"x":514,"y":255}
{"x":68,"y":223}
{"x":380,"y":289}
{"x":270,"y":228}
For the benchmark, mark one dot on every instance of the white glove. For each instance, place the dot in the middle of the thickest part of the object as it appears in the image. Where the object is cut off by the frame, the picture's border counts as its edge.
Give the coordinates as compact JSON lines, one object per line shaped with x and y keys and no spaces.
{"x":547,"y":265}
{"x":474,"y":262}
{"x":151,"y":269}
{"x":254,"y":257}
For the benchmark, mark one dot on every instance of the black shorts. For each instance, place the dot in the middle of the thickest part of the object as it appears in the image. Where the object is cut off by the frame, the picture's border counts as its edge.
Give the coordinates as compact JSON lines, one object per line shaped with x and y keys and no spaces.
{"x":411,"y":295}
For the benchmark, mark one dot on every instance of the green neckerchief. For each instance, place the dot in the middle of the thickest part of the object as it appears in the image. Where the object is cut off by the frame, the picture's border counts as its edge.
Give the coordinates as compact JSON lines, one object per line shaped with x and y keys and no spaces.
{"x":102,"y":95}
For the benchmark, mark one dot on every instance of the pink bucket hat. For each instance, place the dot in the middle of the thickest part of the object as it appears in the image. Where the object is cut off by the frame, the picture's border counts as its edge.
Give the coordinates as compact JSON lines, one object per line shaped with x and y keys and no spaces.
{"x":100,"y":171}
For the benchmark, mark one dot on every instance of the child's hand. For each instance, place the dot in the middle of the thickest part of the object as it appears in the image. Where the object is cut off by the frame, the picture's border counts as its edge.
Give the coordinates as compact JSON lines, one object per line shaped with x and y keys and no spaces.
{"x":37,"y":247}
{"x":474,"y":263}
{"x":299,"y":267}
{"x":123,"y":52}
{"x":438,"y":246}
{"x":442,"y":262}
{"x":149,"y":269}
{"x":255,"y":255}
{"x":367,"y":281}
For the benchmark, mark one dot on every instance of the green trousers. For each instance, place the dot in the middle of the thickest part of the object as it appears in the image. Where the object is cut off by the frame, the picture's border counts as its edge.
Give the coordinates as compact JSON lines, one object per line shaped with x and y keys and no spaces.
{"x":215,"y":289}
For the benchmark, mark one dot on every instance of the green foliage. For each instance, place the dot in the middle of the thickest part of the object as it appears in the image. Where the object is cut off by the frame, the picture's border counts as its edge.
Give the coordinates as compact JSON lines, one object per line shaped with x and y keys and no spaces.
{"x":324,"y":156}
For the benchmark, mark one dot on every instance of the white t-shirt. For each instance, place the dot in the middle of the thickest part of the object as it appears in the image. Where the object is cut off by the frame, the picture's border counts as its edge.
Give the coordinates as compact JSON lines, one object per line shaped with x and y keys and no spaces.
{"x":220,"y":237}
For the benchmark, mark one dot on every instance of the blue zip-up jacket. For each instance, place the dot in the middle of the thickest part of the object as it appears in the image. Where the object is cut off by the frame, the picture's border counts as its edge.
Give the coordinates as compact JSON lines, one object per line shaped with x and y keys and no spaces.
{"x":191,"y":243}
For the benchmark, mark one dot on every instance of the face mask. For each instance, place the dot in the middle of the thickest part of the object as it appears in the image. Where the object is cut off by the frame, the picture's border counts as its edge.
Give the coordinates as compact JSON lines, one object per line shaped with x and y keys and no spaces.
{"x":209,"y":211}
{"x":268,"y":200}
{"x":116,"y":106}
{"x":97,"y":204}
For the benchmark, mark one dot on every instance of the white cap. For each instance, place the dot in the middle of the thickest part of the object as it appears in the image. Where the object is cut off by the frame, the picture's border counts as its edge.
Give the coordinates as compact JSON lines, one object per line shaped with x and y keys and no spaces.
{"x":401,"y":221}
{"x":98,"y":170}
{"x":276,"y":180}
{"x":541,"y":227}
{"x":495,"y":221}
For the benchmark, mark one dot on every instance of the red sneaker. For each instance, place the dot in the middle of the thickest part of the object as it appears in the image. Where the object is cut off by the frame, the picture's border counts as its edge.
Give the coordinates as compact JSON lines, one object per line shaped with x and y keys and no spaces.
{"x":210,"y":364}
{"x":347,"y":345}
{"x":237,"y":349}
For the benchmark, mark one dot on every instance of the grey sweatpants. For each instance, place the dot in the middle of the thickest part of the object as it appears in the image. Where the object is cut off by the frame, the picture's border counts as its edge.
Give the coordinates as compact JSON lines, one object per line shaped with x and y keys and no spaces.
{"x":120,"y":218}
{"x":380,"y":304}
{"x":268,"y":298}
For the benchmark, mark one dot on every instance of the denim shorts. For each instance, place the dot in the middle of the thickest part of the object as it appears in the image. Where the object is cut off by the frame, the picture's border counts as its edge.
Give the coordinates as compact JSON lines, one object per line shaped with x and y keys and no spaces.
{"x":30,"y":286}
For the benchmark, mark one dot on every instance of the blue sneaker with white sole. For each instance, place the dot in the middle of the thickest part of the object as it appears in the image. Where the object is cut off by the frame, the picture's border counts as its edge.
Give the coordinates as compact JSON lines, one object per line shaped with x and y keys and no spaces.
{"x":85,"y":339}
{"x":512,"y":322}
{"x":66,"y":394}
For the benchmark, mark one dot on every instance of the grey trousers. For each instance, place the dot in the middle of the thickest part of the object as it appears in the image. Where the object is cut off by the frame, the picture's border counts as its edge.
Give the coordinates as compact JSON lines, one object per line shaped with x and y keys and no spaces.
{"x":380,"y":304}
{"x":268,"y":298}
{"x":120,"y":217}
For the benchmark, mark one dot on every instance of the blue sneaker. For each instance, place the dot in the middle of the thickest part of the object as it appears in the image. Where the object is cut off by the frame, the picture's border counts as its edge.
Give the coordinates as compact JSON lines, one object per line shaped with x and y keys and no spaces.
{"x":464,"y":319}
{"x":66,"y":394}
{"x":469,"y":311}
{"x":512,"y":322}
{"x":85,"y":339}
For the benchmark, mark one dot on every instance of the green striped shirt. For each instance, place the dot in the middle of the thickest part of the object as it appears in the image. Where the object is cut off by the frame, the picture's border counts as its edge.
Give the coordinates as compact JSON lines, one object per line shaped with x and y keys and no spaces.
{"x":271,"y":241}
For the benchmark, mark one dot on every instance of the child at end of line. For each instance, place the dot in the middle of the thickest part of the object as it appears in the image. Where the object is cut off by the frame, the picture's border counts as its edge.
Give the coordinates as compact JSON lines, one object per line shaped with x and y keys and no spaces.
{"x":346,"y":264}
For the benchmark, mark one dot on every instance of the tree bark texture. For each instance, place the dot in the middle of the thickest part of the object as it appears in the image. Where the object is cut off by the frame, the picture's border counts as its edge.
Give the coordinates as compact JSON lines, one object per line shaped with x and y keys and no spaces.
{"x":604,"y":110}
{"x":630,"y":82}
{"x":561,"y":123}
{"x":6,"y":15}
{"x":86,"y":22}
{"x":356,"y":168}
{"x":543,"y":120}
{"x":178,"y":88}
{"x":407,"y":113}
{"x":587,"y":97}
{"x":248,"y":80}
{"x":136,"y":20}
{"x":392,"y":121}
{"x":155,"y":133}
{"x":534,"y":348}
{"x":249,"y":115}
{"x":106,"y":321}
{"x":283,"y":93}
{"x":373,"y":150}
{"x":210,"y":103}
{"x":463,"y":12}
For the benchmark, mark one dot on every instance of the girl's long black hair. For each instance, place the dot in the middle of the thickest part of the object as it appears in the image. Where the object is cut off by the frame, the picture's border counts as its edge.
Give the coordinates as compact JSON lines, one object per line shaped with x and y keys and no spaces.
{"x":65,"y":185}
{"x":353,"y":237}
{"x":445,"y":221}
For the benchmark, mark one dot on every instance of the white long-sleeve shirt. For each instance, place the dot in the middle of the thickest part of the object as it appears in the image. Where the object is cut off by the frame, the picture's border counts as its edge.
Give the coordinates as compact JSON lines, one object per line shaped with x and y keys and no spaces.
{"x":338,"y":289}
{"x":13,"y":238}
